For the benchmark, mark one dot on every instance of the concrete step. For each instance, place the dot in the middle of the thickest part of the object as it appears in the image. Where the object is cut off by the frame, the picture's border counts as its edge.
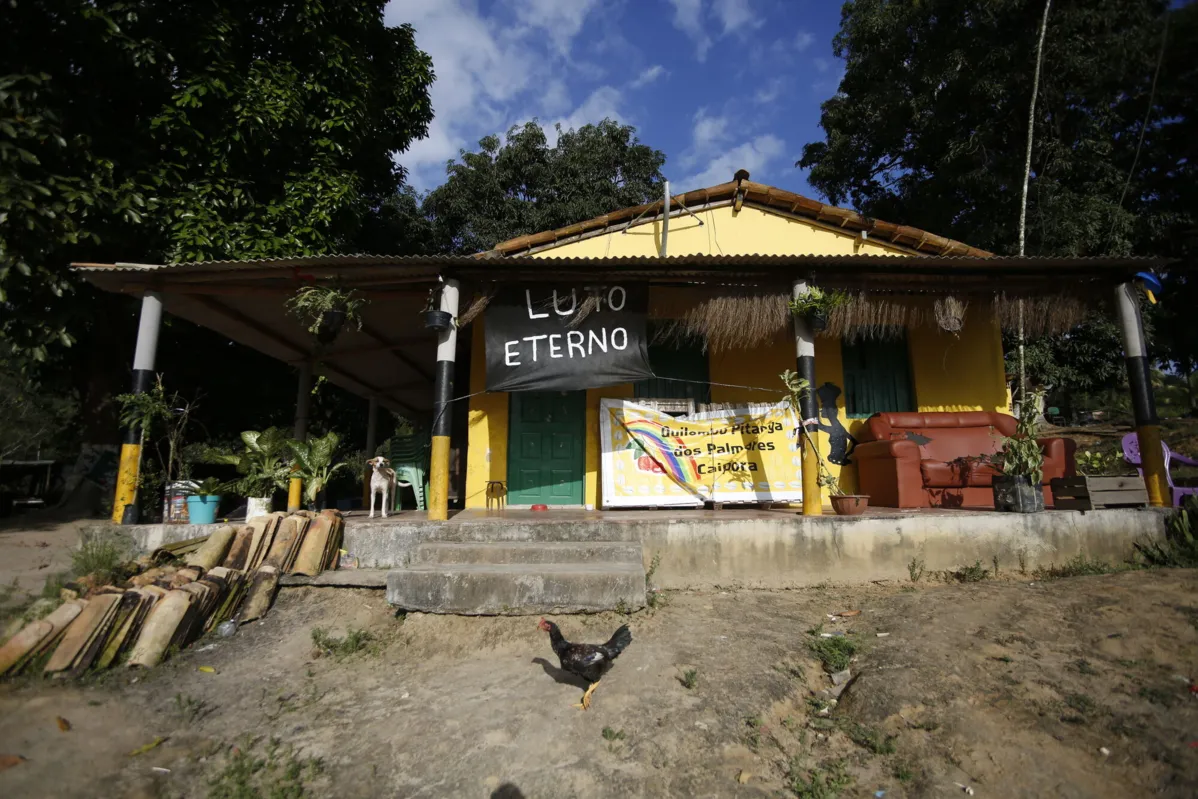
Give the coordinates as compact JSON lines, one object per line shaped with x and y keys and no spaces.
{"x":492,"y":589}
{"x":453,"y":552}
{"x":339,"y":578}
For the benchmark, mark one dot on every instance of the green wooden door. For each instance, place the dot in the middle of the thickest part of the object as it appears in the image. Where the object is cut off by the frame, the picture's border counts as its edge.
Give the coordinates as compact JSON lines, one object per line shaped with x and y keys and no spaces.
{"x":877,"y":377}
{"x":546,"y":447}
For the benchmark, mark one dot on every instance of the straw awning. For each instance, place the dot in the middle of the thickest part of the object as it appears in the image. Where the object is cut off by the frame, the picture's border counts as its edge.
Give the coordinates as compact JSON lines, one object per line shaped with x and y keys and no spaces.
{"x":392,"y":357}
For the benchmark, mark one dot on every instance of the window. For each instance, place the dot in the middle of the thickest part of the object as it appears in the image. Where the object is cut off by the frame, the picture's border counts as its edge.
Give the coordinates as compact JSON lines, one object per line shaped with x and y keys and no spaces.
{"x":686,"y":363}
{"x":877,"y":377}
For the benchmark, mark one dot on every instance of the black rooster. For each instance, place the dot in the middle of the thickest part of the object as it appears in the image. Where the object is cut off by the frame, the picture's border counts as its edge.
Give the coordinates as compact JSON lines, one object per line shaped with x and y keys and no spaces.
{"x":589,"y":661}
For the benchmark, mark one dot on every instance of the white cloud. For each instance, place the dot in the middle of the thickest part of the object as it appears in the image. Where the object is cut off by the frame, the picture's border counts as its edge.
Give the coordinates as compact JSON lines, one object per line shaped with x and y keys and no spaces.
{"x":648,"y":76}
{"x":822,"y":65}
{"x":603,"y":103}
{"x":709,"y":131}
{"x":735,"y":15}
{"x":493,"y":68}
{"x":803,"y":40}
{"x":688,"y":18}
{"x":770,"y":91}
{"x":757,"y":156}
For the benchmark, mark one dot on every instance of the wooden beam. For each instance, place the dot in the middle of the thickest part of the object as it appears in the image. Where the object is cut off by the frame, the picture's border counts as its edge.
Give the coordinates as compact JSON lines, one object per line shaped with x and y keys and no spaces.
{"x":398,"y":355}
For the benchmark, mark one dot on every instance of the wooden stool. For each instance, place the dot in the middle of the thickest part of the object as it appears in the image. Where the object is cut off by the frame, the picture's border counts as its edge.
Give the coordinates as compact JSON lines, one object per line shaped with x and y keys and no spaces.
{"x":496,"y":494}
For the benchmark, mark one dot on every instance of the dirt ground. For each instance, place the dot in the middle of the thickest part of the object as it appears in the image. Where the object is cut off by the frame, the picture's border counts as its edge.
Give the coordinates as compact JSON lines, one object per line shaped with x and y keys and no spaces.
{"x":1010,"y":688}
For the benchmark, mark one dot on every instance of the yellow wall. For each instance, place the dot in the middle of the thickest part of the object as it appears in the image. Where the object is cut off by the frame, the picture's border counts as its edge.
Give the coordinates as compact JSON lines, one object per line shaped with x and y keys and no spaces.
{"x":949,"y":372}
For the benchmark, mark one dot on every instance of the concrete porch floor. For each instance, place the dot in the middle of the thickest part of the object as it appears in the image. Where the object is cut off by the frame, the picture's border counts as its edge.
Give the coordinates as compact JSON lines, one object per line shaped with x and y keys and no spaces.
{"x":753,"y":548}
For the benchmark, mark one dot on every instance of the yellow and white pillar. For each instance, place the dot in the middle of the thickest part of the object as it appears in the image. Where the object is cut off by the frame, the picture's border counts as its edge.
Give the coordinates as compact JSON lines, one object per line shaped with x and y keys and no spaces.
{"x":303,"y":407}
{"x":813,"y":503}
{"x":447,"y":347}
{"x":124,"y":505}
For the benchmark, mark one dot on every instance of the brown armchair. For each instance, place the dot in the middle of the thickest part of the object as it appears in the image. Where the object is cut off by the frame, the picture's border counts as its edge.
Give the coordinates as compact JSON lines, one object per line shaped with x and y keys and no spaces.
{"x":921,"y":460}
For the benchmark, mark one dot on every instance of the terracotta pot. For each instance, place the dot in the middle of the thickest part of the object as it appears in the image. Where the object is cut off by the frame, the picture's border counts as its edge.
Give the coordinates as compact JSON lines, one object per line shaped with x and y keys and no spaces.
{"x":850,"y":504}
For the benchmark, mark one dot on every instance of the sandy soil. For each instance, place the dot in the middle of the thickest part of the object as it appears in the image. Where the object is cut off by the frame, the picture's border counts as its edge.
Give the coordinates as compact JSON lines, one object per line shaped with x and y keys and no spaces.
{"x":33,"y":547}
{"x":1010,"y":688}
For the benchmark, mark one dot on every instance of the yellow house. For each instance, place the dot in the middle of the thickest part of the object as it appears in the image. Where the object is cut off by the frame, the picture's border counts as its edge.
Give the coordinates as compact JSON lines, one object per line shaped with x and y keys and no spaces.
{"x":918,"y":366}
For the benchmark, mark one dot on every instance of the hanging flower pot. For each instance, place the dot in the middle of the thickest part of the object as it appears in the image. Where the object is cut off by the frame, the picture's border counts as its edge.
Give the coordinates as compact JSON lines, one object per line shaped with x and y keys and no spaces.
{"x":817,"y":320}
{"x":438,"y":320}
{"x":814,"y":306}
{"x":329,"y":326}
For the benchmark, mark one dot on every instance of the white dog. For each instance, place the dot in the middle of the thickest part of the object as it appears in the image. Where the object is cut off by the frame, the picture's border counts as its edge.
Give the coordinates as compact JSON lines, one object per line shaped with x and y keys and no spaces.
{"x":382,"y":481}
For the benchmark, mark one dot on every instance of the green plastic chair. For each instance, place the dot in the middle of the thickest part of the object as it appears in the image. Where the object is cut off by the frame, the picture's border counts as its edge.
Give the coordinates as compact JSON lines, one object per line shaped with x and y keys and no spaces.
{"x":409,"y":459}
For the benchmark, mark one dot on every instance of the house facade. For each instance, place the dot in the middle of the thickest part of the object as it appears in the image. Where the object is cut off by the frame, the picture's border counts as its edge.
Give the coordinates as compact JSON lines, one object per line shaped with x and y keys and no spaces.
{"x":546,"y":446}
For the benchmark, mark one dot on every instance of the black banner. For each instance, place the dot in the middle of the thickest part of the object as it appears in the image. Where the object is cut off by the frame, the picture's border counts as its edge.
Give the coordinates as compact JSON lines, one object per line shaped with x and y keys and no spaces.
{"x":566,"y":338}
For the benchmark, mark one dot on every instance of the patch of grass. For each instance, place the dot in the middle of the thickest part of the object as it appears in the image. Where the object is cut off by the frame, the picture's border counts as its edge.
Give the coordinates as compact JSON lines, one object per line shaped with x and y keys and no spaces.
{"x":791,"y":670}
{"x":1083,"y":667}
{"x":915,"y":569}
{"x":1004,"y":659}
{"x":1159,"y":695}
{"x":279,"y":774}
{"x":1079,"y":566}
{"x":1180,"y":547}
{"x":818,"y":705}
{"x":690,"y":679}
{"x":870,"y":738}
{"x":826,"y":782}
{"x":189,"y":709}
{"x":611,"y":735}
{"x":654,"y":596}
{"x":52,"y":589}
{"x":1081,"y":703}
{"x":970,"y":574}
{"x":355,"y":641}
{"x":903,"y":773}
{"x":994,"y":562}
{"x":753,"y":736}
{"x":1022,"y":556}
{"x":834,"y":653}
{"x":101,"y":552}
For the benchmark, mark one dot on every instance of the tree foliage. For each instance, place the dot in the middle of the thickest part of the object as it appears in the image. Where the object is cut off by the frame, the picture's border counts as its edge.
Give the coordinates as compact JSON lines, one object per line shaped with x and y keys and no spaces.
{"x":525,"y":185}
{"x":145,"y":131}
{"x":929,"y":123}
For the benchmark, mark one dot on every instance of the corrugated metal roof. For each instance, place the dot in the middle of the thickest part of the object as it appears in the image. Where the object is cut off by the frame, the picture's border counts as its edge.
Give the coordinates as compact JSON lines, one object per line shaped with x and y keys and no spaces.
{"x":649,"y":263}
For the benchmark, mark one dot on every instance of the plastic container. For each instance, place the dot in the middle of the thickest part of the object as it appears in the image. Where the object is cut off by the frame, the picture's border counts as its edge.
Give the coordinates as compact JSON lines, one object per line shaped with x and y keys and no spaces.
{"x":202,"y":510}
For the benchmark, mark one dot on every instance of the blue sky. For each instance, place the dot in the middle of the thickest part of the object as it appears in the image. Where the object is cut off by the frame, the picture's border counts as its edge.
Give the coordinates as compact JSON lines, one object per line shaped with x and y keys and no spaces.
{"x":716,"y":84}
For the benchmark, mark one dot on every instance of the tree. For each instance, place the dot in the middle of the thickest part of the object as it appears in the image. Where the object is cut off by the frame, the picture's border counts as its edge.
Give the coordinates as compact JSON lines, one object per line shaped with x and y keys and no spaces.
{"x":144,"y":131}
{"x":930,"y":122}
{"x":523,"y":185}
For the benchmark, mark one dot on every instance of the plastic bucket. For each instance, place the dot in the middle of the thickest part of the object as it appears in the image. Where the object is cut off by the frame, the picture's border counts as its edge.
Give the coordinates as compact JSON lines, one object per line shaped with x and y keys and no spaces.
{"x":202,"y":510}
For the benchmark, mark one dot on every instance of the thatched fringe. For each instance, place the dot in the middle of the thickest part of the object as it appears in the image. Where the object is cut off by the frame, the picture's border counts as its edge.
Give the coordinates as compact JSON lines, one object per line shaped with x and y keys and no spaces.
{"x":950,"y":313}
{"x":476,"y":307}
{"x":730,"y":322}
{"x":875,"y":316}
{"x":1042,"y":316}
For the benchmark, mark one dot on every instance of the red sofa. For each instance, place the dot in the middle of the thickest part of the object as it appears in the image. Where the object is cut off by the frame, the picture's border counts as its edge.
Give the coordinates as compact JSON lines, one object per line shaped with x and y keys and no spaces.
{"x":921,"y":460}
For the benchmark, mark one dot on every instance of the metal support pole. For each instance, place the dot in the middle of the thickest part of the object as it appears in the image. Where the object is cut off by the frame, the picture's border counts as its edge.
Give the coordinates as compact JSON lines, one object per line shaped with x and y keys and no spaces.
{"x":1143,"y":404}
{"x":372,"y":415}
{"x":813,"y":503}
{"x":447,"y":346}
{"x":665,"y":219}
{"x":303,"y":407}
{"x":124,"y":505}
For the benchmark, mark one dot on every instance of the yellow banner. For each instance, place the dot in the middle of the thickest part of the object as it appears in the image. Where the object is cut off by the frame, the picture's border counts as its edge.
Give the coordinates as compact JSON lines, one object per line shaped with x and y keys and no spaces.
{"x":651,"y":459}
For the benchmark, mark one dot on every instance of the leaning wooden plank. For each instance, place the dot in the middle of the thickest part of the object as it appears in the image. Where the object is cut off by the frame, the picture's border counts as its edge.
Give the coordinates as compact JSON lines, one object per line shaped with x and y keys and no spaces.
{"x":36,"y":634}
{"x":261,"y":593}
{"x":313,"y":550}
{"x":178,"y":549}
{"x":239,"y":552}
{"x":159,"y":629}
{"x":213,"y":552}
{"x":126,"y":615}
{"x":289,"y":528}
{"x":81,"y":633}
{"x":95,"y":645}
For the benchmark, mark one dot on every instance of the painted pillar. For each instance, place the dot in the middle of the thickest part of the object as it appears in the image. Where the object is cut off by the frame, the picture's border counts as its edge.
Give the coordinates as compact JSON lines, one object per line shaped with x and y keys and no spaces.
{"x":372,"y":415}
{"x":144,"y":354}
{"x":1139,"y":379}
{"x":303,"y":407}
{"x":447,"y":346}
{"x":813,"y":504}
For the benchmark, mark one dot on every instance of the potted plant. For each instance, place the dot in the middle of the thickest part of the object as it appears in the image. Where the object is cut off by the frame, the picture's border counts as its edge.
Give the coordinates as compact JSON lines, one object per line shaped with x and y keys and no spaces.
{"x":202,"y":505}
{"x":314,"y":464}
{"x":261,"y":465}
{"x":843,"y":504}
{"x":326,"y":309}
{"x":1020,"y":463}
{"x":434,"y":317}
{"x":815,"y":305}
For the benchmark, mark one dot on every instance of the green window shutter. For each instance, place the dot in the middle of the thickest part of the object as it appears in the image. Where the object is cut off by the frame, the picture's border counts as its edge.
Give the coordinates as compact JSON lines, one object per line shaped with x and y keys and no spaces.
{"x":877,"y":377}
{"x":686,"y":363}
